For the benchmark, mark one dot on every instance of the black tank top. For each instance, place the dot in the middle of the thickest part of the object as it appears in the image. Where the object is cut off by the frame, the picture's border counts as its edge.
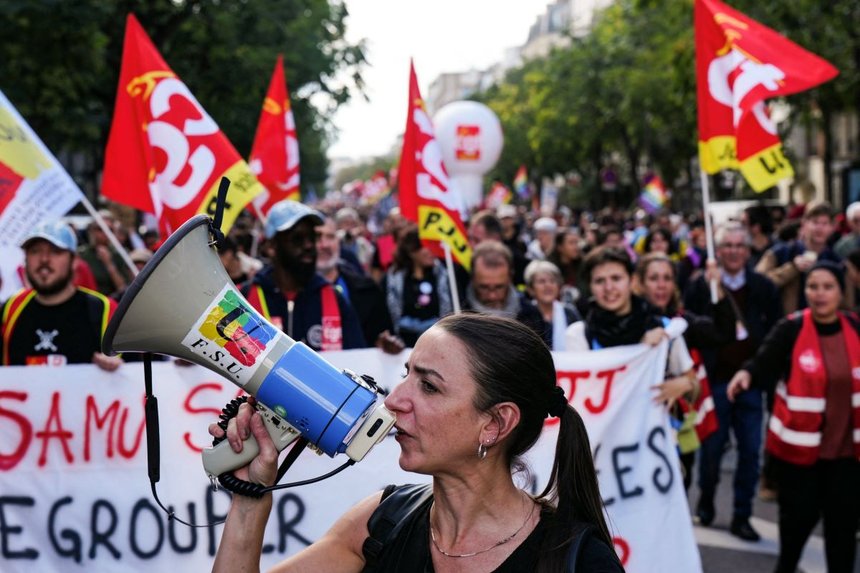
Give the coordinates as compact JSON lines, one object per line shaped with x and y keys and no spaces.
{"x":409,"y":549}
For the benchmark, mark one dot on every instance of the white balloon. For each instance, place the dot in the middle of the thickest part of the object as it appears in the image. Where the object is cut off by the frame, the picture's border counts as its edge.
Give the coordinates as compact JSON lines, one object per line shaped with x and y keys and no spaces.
{"x":470,"y":136}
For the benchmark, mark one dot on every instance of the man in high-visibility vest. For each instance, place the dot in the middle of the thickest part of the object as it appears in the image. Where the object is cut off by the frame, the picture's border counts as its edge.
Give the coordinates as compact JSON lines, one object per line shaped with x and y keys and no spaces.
{"x":53,"y":322}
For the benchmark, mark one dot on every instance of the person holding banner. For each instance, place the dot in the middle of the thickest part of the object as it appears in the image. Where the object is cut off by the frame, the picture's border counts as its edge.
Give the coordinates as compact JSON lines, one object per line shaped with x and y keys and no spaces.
{"x":471,"y":380}
{"x":54,"y":322}
{"x":656,"y":281}
{"x":617,"y":317}
{"x":814,"y":432}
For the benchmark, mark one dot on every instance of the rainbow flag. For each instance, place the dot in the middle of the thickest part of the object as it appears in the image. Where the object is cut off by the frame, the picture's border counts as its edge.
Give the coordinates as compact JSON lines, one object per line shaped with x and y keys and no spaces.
{"x":521,"y":182}
{"x":654,"y":195}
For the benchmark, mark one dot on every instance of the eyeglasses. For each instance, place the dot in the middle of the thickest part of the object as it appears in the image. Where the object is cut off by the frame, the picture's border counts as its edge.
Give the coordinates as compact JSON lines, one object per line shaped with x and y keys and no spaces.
{"x":487,"y":289}
{"x":733,"y":245}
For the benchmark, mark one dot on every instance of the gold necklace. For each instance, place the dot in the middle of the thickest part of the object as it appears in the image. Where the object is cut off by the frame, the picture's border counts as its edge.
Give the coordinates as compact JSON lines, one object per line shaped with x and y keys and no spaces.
{"x":496,"y":544}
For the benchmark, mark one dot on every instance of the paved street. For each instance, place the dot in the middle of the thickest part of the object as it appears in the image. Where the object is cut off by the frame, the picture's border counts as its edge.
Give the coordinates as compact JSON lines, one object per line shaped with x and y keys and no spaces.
{"x":725,"y":553}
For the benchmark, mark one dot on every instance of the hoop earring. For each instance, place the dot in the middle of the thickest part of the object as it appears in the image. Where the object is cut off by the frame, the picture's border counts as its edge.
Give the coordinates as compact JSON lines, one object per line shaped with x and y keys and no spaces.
{"x":482,"y":450}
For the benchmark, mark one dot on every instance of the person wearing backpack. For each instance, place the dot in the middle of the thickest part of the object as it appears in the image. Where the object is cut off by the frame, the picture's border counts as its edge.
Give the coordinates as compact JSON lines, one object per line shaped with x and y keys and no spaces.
{"x":474,"y":399}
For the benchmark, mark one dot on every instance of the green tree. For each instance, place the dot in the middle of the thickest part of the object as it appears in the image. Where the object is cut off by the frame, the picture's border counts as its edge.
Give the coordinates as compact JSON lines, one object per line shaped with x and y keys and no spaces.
{"x":625,"y":94}
{"x":60,"y":65}
{"x":830,"y":30}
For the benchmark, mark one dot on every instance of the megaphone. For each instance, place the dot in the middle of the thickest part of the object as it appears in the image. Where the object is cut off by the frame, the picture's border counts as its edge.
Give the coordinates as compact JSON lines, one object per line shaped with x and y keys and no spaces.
{"x":183,"y":304}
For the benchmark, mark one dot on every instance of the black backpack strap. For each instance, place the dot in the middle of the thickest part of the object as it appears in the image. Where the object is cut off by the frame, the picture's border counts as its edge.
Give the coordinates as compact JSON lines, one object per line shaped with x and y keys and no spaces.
{"x":576,"y":547}
{"x":395,"y":507}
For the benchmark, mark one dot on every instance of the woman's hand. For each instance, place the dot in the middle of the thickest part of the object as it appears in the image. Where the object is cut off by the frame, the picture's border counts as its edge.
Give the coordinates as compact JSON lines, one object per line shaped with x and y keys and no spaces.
{"x":247,"y":422}
{"x":389,"y":343}
{"x":673,"y":388}
{"x":654,"y":336}
{"x":740,"y":382}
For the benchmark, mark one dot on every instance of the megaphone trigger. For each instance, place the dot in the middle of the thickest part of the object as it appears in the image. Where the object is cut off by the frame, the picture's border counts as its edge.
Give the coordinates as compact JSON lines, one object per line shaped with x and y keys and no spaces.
{"x":221,"y":458}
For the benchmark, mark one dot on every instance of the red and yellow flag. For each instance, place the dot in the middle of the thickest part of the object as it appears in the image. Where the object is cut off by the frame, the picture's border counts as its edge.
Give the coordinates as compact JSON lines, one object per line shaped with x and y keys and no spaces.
{"x":739,"y":64}
{"x":425,"y":194}
{"x":165,"y":155}
{"x":275,"y":154}
{"x":499,"y":195}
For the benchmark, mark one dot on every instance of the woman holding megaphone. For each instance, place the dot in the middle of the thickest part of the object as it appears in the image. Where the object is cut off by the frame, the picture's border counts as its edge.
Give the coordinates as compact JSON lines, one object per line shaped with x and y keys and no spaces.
{"x":474,"y":399}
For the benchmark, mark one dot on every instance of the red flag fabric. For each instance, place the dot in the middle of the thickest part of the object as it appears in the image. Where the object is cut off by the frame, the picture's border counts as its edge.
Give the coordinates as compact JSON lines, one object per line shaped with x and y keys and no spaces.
{"x":498,"y":195}
{"x":425,"y":195}
{"x":165,"y":155}
{"x":275,"y":154}
{"x":740,"y":63}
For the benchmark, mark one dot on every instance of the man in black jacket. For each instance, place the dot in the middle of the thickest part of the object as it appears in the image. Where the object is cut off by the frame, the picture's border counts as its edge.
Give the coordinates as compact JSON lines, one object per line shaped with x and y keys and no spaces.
{"x":756,"y":304}
{"x":290,"y":294}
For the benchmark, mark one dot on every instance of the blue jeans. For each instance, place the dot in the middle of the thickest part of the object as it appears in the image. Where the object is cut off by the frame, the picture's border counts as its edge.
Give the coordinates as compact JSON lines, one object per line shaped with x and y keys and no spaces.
{"x":744,"y":417}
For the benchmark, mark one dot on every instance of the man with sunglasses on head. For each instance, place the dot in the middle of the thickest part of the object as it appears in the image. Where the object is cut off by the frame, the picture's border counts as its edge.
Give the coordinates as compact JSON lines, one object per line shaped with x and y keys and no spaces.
{"x":288,"y":291}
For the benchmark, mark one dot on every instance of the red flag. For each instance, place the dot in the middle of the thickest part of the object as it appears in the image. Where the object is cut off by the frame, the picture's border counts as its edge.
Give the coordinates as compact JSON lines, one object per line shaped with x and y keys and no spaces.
{"x":376,"y":189}
{"x":740,"y":63}
{"x":165,"y":155}
{"x":498,"y":195}
{"x":425,"y":197}
{"x":275,"y":154}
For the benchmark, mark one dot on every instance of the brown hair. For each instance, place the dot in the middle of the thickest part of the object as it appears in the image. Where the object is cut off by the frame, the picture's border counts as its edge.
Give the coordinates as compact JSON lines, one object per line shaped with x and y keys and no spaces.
{"x":493,"y":254}
{"x":511,"y":363}
{"x":603,"y":255}
{"x":642,"y":270}
{"x":816,"y":209}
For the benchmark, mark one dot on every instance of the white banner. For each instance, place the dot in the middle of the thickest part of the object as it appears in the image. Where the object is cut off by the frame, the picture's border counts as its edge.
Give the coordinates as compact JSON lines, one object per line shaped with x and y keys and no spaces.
{"x":33,"y":185}
{"x":74,"y":492}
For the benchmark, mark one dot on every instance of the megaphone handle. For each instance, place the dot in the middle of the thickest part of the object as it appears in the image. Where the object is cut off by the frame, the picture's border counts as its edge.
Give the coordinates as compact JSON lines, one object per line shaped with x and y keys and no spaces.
{"x":221,"y":458}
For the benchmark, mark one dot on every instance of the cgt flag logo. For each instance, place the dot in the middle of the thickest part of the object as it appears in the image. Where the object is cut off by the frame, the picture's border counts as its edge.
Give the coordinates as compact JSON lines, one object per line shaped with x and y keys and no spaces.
{"x":739,"y":64}
{"x":165,"y":155}
{"x":468,"y":142}
{"x":426,"y":196}
{"x":232,"y":336}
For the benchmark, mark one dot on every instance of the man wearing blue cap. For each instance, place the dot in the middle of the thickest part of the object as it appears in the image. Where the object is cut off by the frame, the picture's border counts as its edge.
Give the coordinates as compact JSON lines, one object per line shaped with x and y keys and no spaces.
{"x":289,"y":292}
{"x":54,"y":322}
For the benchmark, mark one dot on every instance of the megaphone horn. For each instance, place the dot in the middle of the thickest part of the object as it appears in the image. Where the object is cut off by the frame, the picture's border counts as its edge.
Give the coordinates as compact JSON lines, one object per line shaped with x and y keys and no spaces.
{"x":183,"y":304}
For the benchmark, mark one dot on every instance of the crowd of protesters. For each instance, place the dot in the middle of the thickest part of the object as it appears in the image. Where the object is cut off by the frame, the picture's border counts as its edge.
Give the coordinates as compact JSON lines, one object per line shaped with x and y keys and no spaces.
{"x":771,"y":340}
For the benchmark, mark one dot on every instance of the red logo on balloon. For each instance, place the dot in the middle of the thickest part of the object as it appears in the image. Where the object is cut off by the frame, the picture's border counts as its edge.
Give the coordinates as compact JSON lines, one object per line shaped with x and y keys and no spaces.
{"x":468,"y":144}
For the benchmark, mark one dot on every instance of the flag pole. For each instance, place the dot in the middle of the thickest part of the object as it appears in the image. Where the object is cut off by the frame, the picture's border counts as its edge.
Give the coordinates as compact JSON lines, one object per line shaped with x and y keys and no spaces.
{"x":452,"y":281}
{"x":111,"y":237}
{"x":255,"y":229}
{"x":709,"y":235}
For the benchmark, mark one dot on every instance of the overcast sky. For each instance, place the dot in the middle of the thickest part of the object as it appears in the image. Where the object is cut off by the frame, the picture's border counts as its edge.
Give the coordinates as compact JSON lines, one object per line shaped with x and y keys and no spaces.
{"x":441,"y":36}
